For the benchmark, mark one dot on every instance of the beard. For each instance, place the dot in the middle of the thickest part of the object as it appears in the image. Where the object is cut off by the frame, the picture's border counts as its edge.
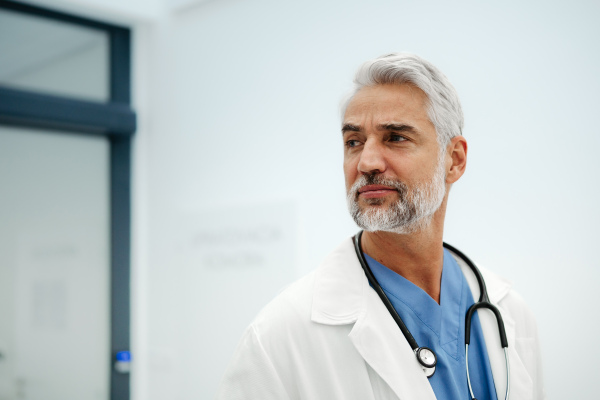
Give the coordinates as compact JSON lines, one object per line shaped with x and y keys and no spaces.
{"x":411,"y":212}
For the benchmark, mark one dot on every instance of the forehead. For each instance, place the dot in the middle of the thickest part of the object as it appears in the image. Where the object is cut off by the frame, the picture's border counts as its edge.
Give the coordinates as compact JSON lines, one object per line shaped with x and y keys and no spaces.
{"x":387,"y":102}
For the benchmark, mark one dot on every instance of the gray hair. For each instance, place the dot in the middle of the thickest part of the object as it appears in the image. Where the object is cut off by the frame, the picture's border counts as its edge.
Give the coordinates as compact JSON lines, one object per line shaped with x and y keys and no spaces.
{"x":445,"y":111}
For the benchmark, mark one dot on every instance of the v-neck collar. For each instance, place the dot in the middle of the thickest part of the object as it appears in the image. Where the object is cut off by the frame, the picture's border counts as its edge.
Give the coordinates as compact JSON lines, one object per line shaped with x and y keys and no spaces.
{"x":341,"y":295}
{"x":443,"y":319}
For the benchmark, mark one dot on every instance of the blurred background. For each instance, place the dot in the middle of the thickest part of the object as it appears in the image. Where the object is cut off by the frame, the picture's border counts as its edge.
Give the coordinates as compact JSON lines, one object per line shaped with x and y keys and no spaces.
{"x":168,"y":166}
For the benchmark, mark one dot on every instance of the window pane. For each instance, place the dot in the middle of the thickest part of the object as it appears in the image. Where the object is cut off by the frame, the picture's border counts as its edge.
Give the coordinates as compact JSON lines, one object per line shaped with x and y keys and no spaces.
{"x":54,"y":266}
{"x":54,"y":57}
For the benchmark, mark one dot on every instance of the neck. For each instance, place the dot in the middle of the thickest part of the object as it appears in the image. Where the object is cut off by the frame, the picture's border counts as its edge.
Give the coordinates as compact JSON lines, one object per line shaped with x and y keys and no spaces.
{"x":418,"y":256}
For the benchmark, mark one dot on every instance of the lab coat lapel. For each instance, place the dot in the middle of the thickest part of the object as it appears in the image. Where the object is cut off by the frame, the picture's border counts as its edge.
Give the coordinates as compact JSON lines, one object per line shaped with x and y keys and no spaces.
{"x":381,"y":343}
{"x":521,"y":384}
{"x":342,"y":295}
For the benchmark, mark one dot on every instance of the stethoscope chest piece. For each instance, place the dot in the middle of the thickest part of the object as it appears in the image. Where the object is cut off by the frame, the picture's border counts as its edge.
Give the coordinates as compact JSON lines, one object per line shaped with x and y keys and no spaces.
{"x":428,"y":371}
{"x":427,"y":359}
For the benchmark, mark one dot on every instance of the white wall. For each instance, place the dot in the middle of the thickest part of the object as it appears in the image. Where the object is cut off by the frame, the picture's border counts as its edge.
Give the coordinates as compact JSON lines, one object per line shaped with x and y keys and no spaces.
{"x":238,"y":105}
{"x":247,"y":109}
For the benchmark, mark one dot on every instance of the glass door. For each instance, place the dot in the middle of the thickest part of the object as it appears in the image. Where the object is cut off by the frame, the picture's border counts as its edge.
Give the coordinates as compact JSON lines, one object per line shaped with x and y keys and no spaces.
{"x":65,"y":163}
{"x":54,"y":265}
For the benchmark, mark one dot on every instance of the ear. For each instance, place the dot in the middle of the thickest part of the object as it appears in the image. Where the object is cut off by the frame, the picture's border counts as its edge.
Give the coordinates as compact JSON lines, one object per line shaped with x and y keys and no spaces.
{"x":456,"y":159}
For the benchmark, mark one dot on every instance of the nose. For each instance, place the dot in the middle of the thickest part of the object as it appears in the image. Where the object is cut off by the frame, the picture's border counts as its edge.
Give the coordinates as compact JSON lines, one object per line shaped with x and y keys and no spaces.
{"x":372,"y":160}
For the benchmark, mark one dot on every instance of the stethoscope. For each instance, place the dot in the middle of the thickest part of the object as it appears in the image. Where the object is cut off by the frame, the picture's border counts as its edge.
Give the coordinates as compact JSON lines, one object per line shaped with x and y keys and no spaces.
{"x":426,"y":356}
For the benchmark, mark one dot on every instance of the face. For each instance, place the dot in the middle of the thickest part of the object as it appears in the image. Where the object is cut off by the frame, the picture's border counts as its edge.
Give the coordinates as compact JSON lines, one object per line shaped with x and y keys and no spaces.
{"x":395,"y":172}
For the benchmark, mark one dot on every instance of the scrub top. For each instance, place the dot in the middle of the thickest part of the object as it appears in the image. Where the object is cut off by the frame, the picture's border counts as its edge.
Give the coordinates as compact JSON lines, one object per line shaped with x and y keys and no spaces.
{"x":441,"y":327}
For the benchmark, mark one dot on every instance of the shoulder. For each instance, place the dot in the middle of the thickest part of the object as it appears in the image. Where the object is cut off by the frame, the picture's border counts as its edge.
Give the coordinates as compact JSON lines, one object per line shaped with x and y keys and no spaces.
{"x":510,"y":303}
{"x":261,"y":364}
{"x":514,"y":305}
{"x":291,"y":308}
{"x":332,"y":294}
{"x":284,"y":340}
{"x":502,"y":294}
{"x":261,"y":367}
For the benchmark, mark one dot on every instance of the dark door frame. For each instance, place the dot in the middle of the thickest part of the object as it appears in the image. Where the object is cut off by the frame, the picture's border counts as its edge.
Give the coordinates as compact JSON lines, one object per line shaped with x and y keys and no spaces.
{"x":115,"y":120}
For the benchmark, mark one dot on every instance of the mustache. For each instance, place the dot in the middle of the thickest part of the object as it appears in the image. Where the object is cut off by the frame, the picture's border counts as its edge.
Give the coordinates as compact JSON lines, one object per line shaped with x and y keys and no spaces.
{"x":376,"y":179}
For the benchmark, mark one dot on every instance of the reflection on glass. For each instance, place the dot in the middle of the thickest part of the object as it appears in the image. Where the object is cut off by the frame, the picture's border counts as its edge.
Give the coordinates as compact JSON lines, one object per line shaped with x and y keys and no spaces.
{"x":53,"y":57}
{"x":54,"y":266}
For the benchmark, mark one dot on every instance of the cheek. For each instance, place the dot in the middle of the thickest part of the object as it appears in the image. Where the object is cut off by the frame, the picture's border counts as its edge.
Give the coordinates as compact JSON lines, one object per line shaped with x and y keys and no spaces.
{"x":350,"y":174}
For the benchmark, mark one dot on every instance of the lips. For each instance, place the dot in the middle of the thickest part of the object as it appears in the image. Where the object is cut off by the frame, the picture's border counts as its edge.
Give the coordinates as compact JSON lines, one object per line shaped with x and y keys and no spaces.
{"x":369,"y":188}
{"x":373,"y":191}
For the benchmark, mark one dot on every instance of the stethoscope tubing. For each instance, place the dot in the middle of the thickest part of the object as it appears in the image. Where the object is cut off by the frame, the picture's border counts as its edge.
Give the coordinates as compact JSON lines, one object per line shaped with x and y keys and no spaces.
{"x":484,"y":302}
{"x":386,"y":301}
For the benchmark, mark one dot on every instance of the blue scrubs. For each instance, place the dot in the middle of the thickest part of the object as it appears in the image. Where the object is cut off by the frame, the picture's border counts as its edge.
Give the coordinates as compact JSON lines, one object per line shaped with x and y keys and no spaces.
{"x":441,"y":327}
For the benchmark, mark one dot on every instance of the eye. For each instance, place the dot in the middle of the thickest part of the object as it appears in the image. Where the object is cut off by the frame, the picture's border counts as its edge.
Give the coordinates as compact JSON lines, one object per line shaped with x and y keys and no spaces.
{"x":352,"y":143}
{"x":397,"y":138}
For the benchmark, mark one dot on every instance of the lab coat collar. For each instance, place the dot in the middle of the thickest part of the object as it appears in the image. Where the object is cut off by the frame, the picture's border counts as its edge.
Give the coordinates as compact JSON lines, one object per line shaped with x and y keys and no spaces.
{"x":342,"y":295}
{"x":341,"y":286}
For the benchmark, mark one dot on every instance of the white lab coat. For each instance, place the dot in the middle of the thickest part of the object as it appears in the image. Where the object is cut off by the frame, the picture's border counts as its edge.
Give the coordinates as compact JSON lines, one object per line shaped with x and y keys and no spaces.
{"x":328,"y":336}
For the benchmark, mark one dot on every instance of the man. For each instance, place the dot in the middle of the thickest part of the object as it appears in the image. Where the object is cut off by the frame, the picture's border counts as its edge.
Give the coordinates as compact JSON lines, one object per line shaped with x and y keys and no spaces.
{"x":330,"y":335}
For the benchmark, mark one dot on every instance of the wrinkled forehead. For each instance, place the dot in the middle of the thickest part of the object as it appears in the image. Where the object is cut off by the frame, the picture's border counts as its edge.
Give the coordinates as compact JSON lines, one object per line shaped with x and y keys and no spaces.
{"x":386,"y":102}
{"x":409,"y":87}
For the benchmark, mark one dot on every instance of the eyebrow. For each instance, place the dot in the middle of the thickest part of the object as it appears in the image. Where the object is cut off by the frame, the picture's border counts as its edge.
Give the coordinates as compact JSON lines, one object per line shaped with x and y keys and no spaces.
{"x":350,"y":128}
{"x":387,"y":127}
{"x":397,"y":127}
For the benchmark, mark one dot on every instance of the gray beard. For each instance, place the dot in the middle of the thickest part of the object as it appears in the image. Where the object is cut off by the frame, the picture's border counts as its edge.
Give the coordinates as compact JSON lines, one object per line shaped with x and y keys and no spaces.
{"x":412,"y":211}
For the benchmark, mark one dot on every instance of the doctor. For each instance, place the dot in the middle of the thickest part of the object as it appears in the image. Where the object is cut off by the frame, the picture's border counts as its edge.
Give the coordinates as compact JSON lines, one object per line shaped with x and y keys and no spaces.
{"x":329,"y":335}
